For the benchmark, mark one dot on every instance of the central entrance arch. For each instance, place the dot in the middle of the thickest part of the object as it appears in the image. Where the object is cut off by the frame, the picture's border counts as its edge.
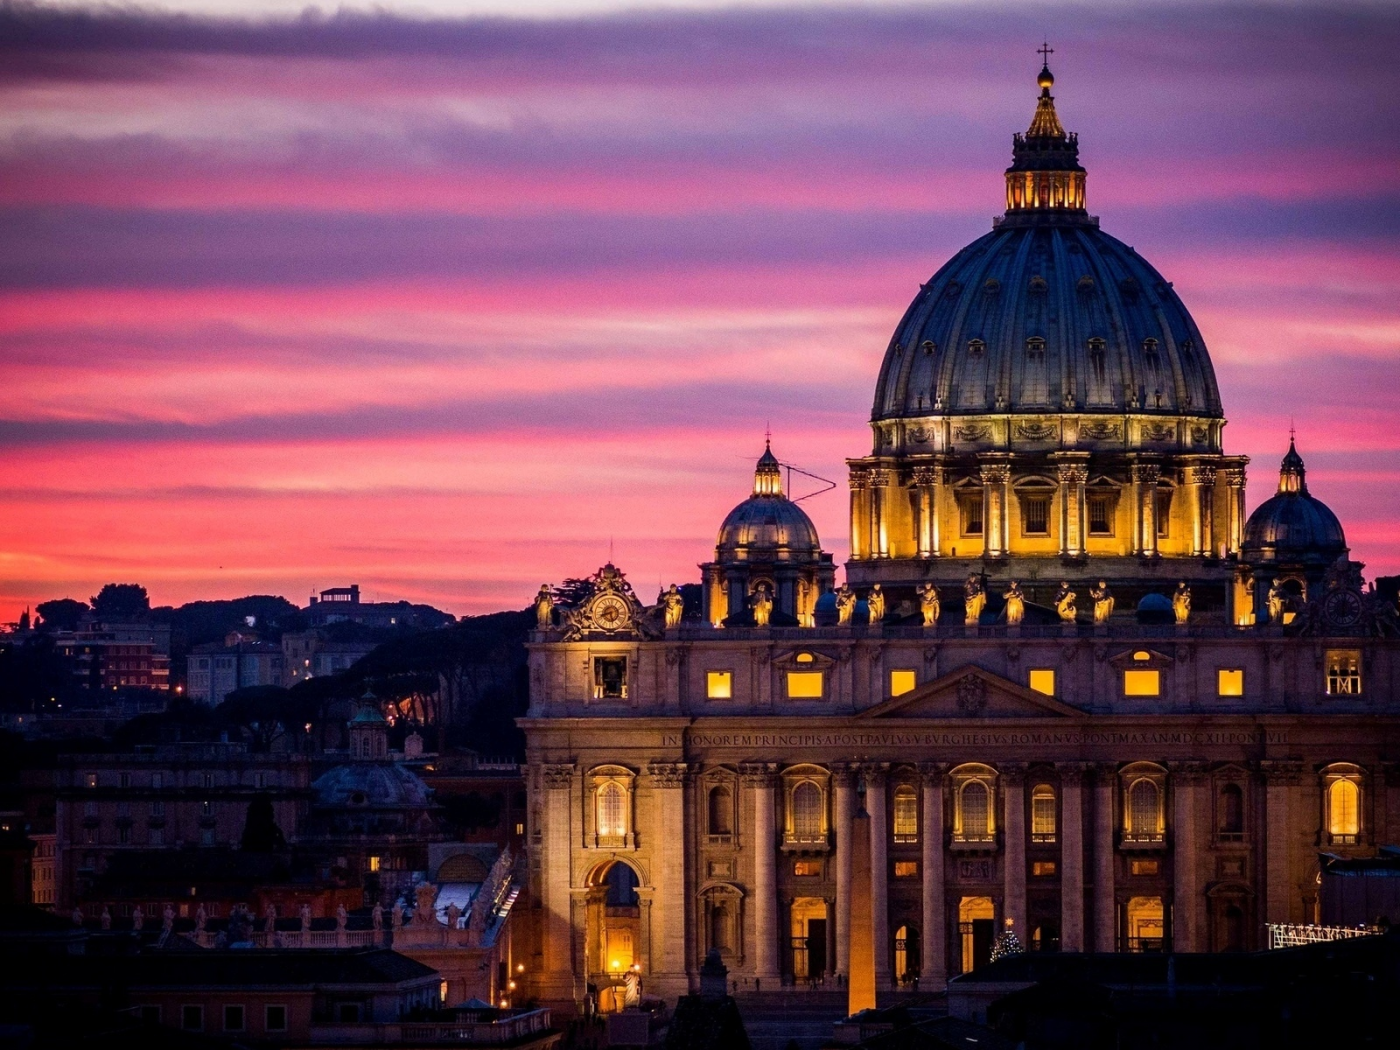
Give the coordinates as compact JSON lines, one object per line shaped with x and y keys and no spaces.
{"x":615,"y":936}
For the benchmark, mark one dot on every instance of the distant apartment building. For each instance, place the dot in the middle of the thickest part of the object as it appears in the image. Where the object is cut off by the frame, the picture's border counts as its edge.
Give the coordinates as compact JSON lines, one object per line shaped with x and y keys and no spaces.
{"x":165,"y":796}
{"x":114,"y":655}
{"x":342,"y":604}
{"x":309,"y":654}
{"x":216,"y":669}
{"x":42,"y":882}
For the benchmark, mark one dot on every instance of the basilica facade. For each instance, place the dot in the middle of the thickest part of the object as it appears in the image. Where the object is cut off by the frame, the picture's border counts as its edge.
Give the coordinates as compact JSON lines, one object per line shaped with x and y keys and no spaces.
{"x":1078,"y":693}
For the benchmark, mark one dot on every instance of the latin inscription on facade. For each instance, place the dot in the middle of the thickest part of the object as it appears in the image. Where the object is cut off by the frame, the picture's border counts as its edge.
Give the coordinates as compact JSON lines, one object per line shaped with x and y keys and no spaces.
{"x":977,"y":738}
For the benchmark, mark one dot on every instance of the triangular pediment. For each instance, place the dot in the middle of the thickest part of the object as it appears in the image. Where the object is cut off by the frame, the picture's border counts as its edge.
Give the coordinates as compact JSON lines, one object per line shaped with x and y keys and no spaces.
{"x":972,"y":692}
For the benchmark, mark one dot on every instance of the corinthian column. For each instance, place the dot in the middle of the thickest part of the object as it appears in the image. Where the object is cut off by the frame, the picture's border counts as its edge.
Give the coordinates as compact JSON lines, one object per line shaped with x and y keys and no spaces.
{"x":1105,"y":908}
{"x":996,"y":485}
{"x":1234,"y":477}
{"x":860,"y":512}
{"x":1280,"y":778}
{"x":669,"y":954}
{"x":1145,"y":477}
{"x":1014,"y":889}
{"x":1071,"y":859}
{"x":557,"y":981}
{"x":935,"y":910}
{"x":879,"y":513}
{"x":928,"y":481}
{"x":1073,"y":478}
{"x":760,"y":778}
{"x":879,"y":873}
{"x":844,"y":781}
{"x":1200,"y":491}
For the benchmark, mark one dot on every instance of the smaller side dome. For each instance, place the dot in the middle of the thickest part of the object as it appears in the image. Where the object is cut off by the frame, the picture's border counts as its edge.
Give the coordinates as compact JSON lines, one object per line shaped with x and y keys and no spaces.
{"x":767,"y":521}
{"x":1293,"y":526}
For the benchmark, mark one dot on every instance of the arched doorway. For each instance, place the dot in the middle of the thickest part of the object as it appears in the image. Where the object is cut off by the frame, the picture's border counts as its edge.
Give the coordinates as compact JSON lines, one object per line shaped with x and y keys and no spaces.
{"x":614,"y":940}
{"x":1146,"y":924}
{"x":907,"y":964}
{"x":977,"y":927}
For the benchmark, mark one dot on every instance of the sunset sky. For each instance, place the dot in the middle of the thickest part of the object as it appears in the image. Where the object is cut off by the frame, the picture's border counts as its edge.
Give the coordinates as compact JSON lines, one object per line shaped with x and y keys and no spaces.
{"x":445,"y":304}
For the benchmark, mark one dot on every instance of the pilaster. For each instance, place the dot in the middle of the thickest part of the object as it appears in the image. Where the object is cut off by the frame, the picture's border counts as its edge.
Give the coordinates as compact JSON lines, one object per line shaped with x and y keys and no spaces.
{"x":875,"y":805}
{"x":760,"y":779}
{"x":1071,"y":836}
{"x":934,"y":949}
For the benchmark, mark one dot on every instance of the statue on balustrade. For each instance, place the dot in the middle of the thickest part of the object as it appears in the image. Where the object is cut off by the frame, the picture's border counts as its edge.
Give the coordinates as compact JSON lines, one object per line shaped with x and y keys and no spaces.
{"x":138,"y":919}
{"x":974,"y":599}
{"x":1064,"y":603}
{"x":454,"y":913}
{"x":762,"y":604}
{"x":200,"y":918}
{"x":544,"y":608}
{"x":673,"y":605}
{"x":167,"y":919}
{"x":396,"y":914}
{"x":376,"y":916}
{"x":107,"y":918}
{"x":875,"y":602}
{"x":424,"y":897}
{"x":1278,"y":601}
{"x":341,"y":917}
{"x":1103,"y":602}
{"x":305,"y":913}
{"x":1181,"y":603}
{"x":845,"y":605}
{"x":928,"y":603}
{"x":1015,"y":604}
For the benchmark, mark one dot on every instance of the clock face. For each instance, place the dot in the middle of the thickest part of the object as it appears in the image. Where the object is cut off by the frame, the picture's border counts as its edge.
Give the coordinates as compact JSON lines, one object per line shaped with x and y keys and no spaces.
{"x":1343,"y":608}
{"x":610,"y":612}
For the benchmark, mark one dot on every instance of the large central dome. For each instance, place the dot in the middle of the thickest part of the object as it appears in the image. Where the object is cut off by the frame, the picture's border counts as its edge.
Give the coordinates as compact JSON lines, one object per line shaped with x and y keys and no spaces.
{"x":1046,"y":403}
{"x":1055,"y":316}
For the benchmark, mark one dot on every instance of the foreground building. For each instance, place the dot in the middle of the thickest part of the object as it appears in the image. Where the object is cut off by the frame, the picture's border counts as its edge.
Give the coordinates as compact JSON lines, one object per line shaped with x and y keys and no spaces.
{"x":1079,"y":692}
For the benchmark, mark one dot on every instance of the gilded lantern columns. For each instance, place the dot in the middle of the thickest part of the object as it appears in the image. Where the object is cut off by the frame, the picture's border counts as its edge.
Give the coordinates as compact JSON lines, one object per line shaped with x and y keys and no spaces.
{"x":760,"y":778}
{"x":879,"y":513}
{"x":928,"y":485}
{"x":1074,"y":475}
{"x":996,"y":493}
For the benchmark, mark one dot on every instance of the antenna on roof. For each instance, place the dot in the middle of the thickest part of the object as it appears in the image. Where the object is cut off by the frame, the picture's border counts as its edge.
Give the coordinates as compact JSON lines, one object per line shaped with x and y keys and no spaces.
{"x":827,"y":483}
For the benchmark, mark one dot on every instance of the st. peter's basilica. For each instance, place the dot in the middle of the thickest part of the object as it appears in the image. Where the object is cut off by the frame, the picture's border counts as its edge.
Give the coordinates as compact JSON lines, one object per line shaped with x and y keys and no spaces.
{"x":1079,"y":694}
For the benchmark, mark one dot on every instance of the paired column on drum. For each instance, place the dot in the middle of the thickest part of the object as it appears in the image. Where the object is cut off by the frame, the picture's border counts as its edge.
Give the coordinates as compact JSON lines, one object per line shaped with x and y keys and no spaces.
{"x":934,"y":948}
{"x":879,"y":512}
{"x":1145,"y":477}
{"x":1234,"y":478}
{"x":1074,"y":476}
{"x":860,"y":513}
{"x":760,"y":778}
{"x":1200,"y":493}
{"x":996,"y":497}
{"x":928,"y":492}
{"x":876,"y":806}
{"x":1072,"y":859}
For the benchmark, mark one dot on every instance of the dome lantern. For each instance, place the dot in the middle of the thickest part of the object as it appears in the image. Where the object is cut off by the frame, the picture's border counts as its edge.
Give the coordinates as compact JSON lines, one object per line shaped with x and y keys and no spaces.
{"x":1045,"y":175}
{"x":767,"y":477}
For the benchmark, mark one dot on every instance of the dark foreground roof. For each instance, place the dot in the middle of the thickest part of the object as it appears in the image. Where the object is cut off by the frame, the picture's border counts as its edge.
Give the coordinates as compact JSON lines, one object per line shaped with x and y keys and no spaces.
{"x":287,"y":968}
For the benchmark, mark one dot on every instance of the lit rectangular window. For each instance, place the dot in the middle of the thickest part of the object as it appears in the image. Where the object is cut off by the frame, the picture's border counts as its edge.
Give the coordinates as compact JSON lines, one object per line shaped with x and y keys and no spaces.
{"x":806,"y":869}
{"x":719,"y":685}
{"x":1144,"y":867}
{"x":1036,"y":516}
{"x":1230,"y":681}
{"x":804,"y":685}
{"x":1043,"y":869}
{"x":1142,"y":683}
{"x":903,"y":681}
{"x":1343,"y":672}
{"x":972,"y":516}
{"x":906,"y":869}
{"x":373,"y":863}
{"x":1042,"y":680}
{"x":1100,"y":516}
{"x":610,"y":678}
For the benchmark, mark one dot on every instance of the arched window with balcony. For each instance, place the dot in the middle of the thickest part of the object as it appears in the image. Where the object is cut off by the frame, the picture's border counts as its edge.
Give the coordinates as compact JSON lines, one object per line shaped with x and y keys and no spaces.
{"x":1043,"y":813}
{"x":1144,"y":811}
{"x":1231,"y":813}
{"x":806,"y":812}
{"x":721,"y":812}
{"x":906,"y":814}
{"x":612,"y":806}
{"x":1342,"y":799}
{"x":974,"y":803}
